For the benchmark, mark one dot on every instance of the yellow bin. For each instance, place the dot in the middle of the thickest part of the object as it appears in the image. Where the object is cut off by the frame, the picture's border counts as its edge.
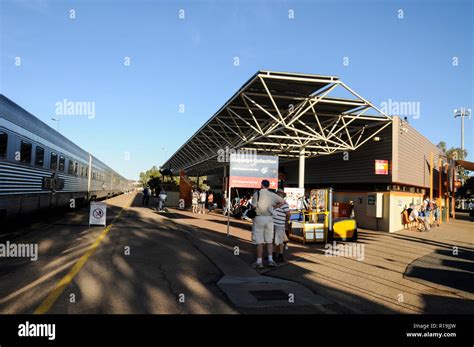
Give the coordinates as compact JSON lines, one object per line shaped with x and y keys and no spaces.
{"x":345,"y":229}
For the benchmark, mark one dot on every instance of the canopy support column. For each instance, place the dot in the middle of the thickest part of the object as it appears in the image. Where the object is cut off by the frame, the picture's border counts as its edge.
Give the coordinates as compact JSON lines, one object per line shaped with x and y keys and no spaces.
{"x":301,"y":169}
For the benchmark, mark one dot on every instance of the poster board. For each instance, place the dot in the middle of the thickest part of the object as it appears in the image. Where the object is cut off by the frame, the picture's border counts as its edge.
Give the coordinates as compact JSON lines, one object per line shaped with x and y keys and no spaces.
{"x":294,"y":198}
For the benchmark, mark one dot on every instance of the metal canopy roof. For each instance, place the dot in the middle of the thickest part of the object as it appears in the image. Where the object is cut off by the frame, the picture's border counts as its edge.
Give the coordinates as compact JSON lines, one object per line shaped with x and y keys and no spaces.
{"x":281,"y":114}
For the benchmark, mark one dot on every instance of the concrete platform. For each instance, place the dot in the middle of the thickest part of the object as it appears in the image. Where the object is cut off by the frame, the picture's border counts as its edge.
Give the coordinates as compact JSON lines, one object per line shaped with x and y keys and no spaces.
{"x":384,"y":281}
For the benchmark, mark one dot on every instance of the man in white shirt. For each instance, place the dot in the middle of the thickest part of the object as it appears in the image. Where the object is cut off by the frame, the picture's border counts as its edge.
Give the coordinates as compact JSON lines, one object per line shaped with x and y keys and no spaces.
{"x":162,"y":200}
{"x":262,"y":228}
{"x":202,"y":202}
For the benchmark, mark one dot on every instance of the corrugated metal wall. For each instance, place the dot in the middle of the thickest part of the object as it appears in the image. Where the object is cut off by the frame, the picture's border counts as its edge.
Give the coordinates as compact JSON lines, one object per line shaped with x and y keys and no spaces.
{"x":360,"y":168}
{"x":414,"y":159}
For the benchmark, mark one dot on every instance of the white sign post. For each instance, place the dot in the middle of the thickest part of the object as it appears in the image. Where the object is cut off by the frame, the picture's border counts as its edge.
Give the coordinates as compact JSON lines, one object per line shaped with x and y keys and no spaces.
{"x":97,"y":213}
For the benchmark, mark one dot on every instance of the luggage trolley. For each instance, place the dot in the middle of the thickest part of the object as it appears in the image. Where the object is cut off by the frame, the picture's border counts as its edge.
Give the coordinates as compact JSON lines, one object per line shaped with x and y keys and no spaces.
{"x":312,"y":226}
{"x":318,"y":225}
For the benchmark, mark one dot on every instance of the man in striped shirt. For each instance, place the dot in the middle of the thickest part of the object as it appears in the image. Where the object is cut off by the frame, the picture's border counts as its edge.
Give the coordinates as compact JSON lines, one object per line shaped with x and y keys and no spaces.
{"x":281,"y":217}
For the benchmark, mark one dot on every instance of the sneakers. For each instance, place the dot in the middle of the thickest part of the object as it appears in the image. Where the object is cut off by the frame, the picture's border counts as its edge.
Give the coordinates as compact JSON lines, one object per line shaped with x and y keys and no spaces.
{"x":279,"y":258}
{"x":257,"y":265}
{"x":272,"y":264}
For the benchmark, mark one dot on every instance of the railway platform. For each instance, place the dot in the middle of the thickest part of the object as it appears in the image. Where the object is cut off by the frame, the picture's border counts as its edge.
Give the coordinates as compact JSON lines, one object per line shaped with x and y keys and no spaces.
{"x":144,"y":261}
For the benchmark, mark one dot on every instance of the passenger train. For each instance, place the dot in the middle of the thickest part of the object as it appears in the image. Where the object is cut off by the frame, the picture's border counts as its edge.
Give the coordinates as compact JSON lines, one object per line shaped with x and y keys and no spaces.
{"x":42,"y":169}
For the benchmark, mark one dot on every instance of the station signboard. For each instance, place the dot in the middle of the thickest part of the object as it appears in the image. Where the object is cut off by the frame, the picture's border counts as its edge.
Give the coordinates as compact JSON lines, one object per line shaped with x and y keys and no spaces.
{"x":248,"y":171}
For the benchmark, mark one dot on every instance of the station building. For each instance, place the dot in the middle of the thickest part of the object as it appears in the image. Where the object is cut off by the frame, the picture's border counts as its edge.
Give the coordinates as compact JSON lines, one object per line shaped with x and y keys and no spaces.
{"x":323,"y":140}
{"x":354,"y":175}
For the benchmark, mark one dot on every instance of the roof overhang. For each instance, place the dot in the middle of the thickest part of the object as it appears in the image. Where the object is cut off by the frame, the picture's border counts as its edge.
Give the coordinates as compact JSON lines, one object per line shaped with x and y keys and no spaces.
{"x":468,"y":165}
{"x":281,"y":113}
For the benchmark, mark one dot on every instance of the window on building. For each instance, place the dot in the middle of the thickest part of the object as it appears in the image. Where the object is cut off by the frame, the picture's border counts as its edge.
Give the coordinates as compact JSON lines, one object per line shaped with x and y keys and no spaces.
{"x":53,"y":165}
{"x":3,"y":145}
{"x":62,"y":162}
{"x":39,"y":156}
{"x":25,"y":152}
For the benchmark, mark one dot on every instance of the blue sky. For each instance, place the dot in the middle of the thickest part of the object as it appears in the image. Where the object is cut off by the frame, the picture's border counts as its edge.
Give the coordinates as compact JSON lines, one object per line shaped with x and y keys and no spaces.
{"x":191,"y":62}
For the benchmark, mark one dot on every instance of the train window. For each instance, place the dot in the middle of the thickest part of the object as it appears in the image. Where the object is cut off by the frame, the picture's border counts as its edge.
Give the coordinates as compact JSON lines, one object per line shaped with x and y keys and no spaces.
{"x":87,"y":171}
{"x":62,"y":162}
{"x":25,"y":152}
{"x":82,"y":170}
{"x":54,"y":161}
{"x":3,"y":145}
{"x":39,"y":156}
{"x":76,"y":168}
{"x":70,"y":167}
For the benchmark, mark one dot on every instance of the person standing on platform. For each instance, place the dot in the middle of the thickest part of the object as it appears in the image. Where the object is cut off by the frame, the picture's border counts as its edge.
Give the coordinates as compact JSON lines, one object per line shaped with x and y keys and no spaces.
{"x":225,"y":204}
{"x":281,"y":218}
{"x":162,"y":200}
{"x":146,"y":196}
{"x":436,"y":213}
{"x":202,"y":202}
{"x":262,"y":228}
{"x":210,"y":201}
{"x":195,"y":200}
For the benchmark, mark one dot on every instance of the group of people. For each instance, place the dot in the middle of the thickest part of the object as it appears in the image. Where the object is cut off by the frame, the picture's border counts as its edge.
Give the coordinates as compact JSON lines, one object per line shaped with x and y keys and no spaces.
{"x":271,"y":215}
{"x":270,"y":224}
{"x":200,"y":199}
{"x":421,"y":214}
{"x":162,"y":196}
{"x":240,"y":207}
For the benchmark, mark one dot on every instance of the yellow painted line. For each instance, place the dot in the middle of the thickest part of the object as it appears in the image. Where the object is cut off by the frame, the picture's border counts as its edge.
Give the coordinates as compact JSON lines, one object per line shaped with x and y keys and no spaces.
{"x":66,"y":280}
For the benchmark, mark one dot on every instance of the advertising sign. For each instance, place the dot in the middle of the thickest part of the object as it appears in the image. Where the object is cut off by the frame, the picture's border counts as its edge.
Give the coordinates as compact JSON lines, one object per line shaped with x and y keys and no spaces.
{"x":248,"y":171}
{"x":97,"y":213}
{"x":294,"y":198}
{"x":318,"y":200}
{"x":381,"y":167}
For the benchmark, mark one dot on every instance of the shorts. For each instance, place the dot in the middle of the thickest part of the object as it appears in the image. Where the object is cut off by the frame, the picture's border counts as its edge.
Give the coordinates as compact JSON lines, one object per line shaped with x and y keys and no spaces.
{"x":262,"y":229}
{"x":280,"y":235}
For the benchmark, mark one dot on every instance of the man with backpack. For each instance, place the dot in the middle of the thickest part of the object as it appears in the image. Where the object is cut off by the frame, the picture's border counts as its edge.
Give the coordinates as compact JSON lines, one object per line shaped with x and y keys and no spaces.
{"x":263,"y":201}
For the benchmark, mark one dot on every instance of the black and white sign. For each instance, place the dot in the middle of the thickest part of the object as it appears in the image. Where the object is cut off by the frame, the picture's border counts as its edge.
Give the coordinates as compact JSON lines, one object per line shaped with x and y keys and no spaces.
{"x":97,"y":214}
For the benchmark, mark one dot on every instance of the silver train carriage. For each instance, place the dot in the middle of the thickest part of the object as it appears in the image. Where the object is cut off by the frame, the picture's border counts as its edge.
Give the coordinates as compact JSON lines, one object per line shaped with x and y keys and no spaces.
{"x":42,"y":169}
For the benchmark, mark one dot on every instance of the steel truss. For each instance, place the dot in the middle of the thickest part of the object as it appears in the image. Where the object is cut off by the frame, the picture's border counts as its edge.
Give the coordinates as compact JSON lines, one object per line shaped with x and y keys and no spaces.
{"x":283,"y":114}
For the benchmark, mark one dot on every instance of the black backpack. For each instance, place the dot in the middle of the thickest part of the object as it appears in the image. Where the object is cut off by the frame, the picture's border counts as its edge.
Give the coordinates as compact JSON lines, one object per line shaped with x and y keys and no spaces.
{"x":252,"y":212}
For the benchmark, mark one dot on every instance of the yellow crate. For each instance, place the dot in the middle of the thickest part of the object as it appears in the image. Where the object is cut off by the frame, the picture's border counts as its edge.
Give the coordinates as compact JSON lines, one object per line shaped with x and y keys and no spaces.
{"x":308,"y":232}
